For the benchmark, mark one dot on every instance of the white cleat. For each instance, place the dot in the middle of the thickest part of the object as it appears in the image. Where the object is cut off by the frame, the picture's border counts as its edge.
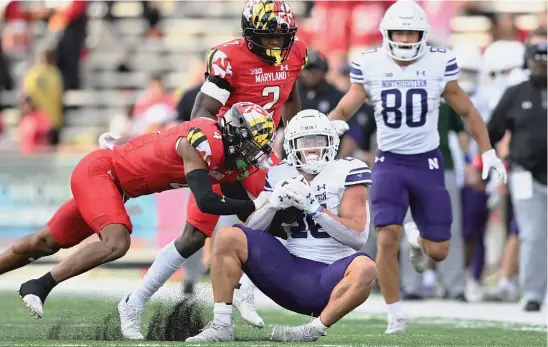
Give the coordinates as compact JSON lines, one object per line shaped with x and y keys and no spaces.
{"x":416,"y":255}
{"x":301,"y":333}
{"x":473,"y":290}
{"x":244,"y":302}
{"x":396,"y":326}
{"x":34,"y":305}
{"x":214,"y":333}
{"x":130,"y":320}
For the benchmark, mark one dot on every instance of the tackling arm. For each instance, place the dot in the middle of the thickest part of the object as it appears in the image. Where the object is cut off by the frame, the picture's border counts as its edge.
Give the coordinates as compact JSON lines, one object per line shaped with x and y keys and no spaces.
{"x":197,"y":175}
{"x":461,"y":103}
{"x":351,"y":226}
{"x":263,"y":215}
{"x":350,"y":103}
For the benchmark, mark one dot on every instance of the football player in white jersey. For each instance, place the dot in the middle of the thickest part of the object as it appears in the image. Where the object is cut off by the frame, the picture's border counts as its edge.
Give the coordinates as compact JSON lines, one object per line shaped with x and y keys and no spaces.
{"x":404,"y":80}
{"x":319,"y":273}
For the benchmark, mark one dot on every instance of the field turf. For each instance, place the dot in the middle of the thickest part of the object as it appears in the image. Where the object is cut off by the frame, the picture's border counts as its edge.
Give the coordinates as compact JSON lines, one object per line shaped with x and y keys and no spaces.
{"x":89,"y":321}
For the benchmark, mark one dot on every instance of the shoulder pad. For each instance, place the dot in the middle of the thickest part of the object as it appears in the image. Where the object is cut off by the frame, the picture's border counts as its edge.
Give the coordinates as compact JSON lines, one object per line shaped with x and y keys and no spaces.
{"x":354,"y":171}
{"x":204,"y":135}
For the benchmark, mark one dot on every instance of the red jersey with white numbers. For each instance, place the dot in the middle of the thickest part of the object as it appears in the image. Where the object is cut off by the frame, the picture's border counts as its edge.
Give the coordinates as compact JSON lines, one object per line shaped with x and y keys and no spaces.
{"x":252,"y":79}
{"x":150,"y":163}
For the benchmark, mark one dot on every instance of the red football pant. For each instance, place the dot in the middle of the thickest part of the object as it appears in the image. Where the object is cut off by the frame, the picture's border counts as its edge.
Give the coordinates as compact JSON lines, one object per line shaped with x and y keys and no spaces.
{"x":96,"y":203}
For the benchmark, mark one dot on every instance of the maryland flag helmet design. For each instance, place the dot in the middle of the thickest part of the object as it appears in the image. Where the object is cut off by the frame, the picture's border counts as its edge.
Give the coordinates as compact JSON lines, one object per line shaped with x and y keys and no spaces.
{"x":248,"y":132}
{"x":264,"y":18}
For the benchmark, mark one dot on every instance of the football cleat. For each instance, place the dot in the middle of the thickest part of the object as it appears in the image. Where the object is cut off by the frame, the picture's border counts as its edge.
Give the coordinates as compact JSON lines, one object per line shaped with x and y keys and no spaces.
{"x":396,"y":326}
{"x":213,"y":333}
{"x":244,"y":302}
{"x":301,"y":333}
{"x":130,"y":320}
{"x":34,"y":305}
{"x":416,"y":255}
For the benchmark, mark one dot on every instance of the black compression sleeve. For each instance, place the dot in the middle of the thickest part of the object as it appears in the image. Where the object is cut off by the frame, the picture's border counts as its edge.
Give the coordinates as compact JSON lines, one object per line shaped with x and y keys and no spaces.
{"x":211,"y":203}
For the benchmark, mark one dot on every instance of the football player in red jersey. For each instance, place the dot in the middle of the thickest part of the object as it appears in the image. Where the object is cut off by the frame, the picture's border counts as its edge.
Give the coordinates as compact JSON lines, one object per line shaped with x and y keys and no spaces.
{"x":196,"y":154}
{"x":261,"y":67}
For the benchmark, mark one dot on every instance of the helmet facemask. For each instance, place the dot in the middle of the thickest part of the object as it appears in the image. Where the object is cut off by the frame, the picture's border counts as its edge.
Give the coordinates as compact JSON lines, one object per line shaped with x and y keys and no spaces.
{"x":241,"y":147}
{"x":404,"y":51}
{"x":311,"y":153}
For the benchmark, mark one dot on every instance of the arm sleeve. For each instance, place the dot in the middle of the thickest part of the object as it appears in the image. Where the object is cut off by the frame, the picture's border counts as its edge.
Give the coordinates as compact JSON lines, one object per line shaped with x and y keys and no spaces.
{"x":212,"y":203}
{"x":497,"y":125}
{"x":218,"y":76}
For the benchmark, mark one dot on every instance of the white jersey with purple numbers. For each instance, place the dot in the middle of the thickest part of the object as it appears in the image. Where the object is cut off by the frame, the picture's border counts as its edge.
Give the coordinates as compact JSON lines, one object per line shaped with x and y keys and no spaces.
{"x":309,"y":240}
{"x":406,"y":99}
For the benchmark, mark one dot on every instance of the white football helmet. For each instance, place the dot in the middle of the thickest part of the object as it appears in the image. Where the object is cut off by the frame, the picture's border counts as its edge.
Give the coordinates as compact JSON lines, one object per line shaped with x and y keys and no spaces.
{"x":470,"y":63}
{"x":310,"y":141}
{"x":503,"y":55}
{"x":404,"y":15}
{"x":501,"y":60}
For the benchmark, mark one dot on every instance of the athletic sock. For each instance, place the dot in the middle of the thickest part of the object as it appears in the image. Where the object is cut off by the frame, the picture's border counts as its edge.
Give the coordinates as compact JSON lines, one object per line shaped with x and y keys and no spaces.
{"x":166,"y":264}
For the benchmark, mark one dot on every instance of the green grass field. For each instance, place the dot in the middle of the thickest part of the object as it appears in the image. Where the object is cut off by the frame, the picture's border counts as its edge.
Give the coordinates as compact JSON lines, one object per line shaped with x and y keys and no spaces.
{"x":79,"y":322}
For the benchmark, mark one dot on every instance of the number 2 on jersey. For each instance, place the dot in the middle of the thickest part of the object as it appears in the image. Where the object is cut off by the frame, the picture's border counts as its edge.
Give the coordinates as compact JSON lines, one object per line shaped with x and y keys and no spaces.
{"x":275,"y":92}
{"x":395,"y":107}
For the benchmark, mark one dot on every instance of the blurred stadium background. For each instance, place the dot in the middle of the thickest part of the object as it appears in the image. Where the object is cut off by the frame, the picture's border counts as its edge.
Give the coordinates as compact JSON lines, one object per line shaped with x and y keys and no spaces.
{"x":124,"y":66}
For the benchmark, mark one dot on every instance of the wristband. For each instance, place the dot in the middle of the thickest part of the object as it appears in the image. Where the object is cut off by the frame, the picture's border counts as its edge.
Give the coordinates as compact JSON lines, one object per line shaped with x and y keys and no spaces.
{"x":317,"y":211}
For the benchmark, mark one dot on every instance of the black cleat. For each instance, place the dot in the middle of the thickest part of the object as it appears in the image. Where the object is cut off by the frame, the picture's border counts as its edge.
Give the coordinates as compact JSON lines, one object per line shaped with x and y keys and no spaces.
{"x":188,"y":288}
{"x":532,"y":306}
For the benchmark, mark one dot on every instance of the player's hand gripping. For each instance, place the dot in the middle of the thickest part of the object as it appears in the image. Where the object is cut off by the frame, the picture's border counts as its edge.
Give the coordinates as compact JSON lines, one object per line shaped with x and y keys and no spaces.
{"x":491,"y":161}
{"x":279,"y":199}
{"x":340,"y":126}
{"x":302,"y":197}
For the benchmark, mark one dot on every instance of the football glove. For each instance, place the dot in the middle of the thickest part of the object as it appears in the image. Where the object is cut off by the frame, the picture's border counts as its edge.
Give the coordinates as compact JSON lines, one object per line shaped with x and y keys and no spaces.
{"x":302,"y":197}
{"x":279,"y":199}
{"x":491,"y":161}
{"x":340,"y":126}
{"x":108,"y":140}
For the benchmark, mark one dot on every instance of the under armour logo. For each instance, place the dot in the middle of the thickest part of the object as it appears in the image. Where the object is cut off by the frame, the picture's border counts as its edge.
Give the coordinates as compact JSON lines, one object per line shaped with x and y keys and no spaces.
{"x":389,"y":74}
{"x":526,"y":105}
{"x":320,"y":187}
{"x":284,"y":67}
{"x":381,"y":159}
{"x":421,"y":73}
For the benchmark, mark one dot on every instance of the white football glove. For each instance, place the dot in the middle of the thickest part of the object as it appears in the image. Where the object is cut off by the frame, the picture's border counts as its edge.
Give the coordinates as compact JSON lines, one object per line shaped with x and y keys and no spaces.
{"x":279,"y":199}
{"x":266,"y":164}
{"x":340,"y":126}
{"x":108,"y":140}
{"x":302,"y":197}
{"x":491,"y":161}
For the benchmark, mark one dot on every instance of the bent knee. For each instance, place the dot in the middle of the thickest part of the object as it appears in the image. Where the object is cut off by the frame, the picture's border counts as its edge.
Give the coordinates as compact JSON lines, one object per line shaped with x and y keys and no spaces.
{"x":436,"y":250}
{"x":230,"y":237}
{"x":117,"y":239}
{"x":363,"y":269}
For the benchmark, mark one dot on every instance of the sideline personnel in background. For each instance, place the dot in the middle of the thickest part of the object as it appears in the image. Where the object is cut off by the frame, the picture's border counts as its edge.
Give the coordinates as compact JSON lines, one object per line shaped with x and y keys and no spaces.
{"x":522,"y":112}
